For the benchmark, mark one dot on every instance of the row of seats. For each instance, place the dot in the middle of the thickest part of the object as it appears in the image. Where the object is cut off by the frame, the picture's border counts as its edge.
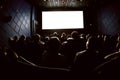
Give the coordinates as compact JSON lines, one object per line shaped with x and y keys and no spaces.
{"x":15,"y":67}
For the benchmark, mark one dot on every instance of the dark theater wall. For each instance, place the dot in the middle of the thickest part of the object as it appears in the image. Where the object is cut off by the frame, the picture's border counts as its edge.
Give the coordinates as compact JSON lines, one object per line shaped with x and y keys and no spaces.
{"x":19,"y":10}
{"x":109,"y":19}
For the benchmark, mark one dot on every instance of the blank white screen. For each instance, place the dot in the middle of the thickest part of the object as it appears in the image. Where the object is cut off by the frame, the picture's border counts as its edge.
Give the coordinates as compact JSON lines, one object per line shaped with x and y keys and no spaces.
{"x":62,"y":20}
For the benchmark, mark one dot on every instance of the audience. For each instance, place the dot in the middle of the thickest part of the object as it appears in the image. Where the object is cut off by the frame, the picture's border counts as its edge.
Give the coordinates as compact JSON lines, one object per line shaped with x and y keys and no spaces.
{"x":87,"y":56}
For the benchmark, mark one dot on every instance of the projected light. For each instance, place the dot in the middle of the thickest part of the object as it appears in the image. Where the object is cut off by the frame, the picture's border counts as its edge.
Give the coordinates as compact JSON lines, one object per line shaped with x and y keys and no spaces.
{"x":62,"y":20}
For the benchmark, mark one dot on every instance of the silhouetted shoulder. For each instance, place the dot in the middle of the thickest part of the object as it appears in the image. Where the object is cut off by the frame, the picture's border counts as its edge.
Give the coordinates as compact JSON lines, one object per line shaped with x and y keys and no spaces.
{"x":80,"y":53}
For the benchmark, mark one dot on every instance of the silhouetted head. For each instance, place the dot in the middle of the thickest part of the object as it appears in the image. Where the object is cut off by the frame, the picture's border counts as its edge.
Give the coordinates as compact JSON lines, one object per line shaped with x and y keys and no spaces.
{"x":93,"y":43}
{"x":113,"y":41}
{"x":82,"y":36}
{"x":53,"y":44}
{"x":22,"y":38}
{"x":15,"y":38}
{"x":10,"y":41}
{"x":75,"y":35}
{"x":63,"y":34}
{"x":28,"y":39}
{"x":47,"y":38}
{"x":36,"y":37}
{"x":55,"y":34}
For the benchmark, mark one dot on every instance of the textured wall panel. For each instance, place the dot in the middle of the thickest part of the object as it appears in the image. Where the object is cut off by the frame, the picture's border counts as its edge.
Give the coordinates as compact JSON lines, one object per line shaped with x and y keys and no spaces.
{"x":109,"y":20}
{"x":20,"y":22}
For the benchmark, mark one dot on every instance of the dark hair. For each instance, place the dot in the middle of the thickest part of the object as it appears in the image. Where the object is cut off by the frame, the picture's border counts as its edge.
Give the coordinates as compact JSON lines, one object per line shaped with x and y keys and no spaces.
{"x":54,"y":43}
{"x":36,"y":37}
{"x":93,"y":43}
{"x":75,"y":34}
{"x":22,"y":37}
